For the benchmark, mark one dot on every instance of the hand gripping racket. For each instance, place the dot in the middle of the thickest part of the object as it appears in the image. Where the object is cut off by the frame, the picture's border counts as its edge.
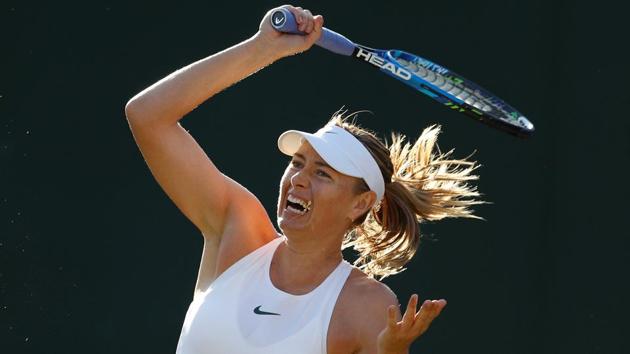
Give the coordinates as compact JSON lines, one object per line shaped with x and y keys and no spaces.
{"x":432,"y":79}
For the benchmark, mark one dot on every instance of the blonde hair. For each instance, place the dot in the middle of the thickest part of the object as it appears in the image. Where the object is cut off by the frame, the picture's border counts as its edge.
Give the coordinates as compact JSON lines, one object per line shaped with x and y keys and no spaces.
{"x":421,"y":183}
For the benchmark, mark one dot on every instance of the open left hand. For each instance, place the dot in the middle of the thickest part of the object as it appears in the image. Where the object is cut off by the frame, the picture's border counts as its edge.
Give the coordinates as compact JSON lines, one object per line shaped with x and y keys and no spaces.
{"x":398,"y":335}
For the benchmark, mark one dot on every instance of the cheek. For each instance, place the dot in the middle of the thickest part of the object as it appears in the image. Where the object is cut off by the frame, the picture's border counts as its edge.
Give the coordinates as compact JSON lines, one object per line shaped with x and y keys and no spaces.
{"x":284,"y":184}
{"x":335,"y":198}
{"x":285,"y":179}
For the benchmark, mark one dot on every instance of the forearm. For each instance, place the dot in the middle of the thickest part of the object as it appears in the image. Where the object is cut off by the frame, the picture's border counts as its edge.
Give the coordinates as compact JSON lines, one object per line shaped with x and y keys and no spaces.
{"x":169,"y":99}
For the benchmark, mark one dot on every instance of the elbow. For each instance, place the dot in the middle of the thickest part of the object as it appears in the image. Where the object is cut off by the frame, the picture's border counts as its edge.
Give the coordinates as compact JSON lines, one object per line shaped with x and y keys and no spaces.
{"x":132,"y":109}
{"x":143,"y":110}
{"x":138,"y":111}
{"x":147,"y":110}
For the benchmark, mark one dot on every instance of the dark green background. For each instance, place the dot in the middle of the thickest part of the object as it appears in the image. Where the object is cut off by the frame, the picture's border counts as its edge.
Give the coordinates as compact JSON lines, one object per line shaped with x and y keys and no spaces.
{"x":94,"y":258}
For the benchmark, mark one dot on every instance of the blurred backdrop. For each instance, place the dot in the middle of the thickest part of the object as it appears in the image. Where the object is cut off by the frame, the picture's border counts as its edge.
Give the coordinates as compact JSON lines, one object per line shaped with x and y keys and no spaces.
{"x":95,"y":258}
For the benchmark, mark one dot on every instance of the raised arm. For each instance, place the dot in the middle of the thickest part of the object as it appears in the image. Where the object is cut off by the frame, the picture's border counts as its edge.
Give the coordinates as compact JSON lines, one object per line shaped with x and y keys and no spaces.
{"x":176,"y":160}
{"x":231,"y":219}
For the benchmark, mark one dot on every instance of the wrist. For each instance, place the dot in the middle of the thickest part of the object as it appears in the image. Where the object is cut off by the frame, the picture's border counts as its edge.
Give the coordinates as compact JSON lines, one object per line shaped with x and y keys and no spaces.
{"x":265,"y":48}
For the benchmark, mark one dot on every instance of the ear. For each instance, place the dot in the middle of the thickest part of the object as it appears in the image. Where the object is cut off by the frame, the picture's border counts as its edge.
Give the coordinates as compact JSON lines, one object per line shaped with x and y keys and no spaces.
{"x":362,"y":203}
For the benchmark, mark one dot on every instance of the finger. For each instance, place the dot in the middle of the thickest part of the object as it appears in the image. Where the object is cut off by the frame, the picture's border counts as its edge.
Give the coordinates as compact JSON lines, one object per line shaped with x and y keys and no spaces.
{"x":301,"y":20}
{"x":411,"y":309}
{"x":310,"y":23}
{"x":438,"y":305}
{"x":425,"y":311}
{"x":429,"y":311}
{"x":441,"y":305}
{"x":423,"y":318}
{"x":319,"y":23}
{"x":391,"y":317}
{"x":298,"y":13}
{"x":305,"y":19}
{"x":316,"y":33}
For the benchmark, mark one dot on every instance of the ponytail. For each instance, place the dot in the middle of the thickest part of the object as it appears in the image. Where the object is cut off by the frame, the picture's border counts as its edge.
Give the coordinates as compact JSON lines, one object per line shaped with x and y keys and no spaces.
{"x":421,"y":183}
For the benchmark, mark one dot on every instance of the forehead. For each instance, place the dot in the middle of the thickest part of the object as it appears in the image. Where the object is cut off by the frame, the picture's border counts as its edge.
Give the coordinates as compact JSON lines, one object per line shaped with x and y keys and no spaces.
{"x":307,"y":150}
{"x":310,"y":154}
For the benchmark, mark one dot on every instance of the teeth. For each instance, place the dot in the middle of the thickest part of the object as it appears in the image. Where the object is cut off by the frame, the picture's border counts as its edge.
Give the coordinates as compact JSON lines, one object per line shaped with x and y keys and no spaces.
{"x":301,"y":212}
{"x":304,"y":204}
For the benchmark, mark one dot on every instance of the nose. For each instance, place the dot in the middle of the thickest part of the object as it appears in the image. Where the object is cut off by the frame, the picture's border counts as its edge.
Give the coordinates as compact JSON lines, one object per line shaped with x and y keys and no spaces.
{"x":299,"y":179}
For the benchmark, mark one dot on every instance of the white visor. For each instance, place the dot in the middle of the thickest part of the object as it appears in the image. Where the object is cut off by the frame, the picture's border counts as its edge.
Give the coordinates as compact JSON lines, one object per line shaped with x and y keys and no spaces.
{"x":341,"y":150}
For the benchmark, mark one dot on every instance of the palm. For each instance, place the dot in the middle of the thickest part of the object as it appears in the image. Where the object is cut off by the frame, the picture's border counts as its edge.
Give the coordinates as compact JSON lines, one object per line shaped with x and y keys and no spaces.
{"x":397,"y":336}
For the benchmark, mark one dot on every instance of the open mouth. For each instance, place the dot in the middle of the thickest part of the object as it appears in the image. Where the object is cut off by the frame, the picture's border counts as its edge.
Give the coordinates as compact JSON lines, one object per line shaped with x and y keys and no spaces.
{"x":297,"y":205}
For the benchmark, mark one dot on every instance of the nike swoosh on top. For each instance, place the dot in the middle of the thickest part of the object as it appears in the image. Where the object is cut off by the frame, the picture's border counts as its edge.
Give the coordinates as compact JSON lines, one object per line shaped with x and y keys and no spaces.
{"x":258,"y":311}
{"x":279,"y":20}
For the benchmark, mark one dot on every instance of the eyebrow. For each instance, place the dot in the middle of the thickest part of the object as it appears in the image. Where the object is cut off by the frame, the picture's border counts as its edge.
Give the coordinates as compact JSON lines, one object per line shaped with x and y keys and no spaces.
{"x":317,"y":162}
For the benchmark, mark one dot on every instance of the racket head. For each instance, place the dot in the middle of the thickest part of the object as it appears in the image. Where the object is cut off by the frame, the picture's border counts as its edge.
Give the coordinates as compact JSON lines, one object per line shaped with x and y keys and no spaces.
{"x":453,"y":90}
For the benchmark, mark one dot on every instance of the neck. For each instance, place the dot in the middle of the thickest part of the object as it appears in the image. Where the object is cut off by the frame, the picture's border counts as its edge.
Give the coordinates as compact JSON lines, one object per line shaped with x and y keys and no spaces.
{"x":301,"y":264}
{"x":309,"y":251}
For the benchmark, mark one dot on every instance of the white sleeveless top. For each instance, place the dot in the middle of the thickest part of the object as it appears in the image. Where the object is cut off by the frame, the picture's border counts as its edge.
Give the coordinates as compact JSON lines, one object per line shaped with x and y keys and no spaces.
{"x":242,"y":312}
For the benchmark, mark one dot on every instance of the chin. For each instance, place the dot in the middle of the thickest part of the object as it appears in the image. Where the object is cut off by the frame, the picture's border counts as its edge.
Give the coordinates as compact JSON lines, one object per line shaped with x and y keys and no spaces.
{"x":285,"y":225}
{"x":290,"y":227}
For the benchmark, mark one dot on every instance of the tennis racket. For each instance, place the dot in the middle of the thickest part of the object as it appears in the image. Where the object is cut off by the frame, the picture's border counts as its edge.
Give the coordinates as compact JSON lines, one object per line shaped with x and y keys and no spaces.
{"x":435,"y":81}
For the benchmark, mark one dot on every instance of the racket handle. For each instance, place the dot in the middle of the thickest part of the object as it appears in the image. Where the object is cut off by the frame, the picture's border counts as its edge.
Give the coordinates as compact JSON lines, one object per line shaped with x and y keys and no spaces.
{"x":284,"y":21}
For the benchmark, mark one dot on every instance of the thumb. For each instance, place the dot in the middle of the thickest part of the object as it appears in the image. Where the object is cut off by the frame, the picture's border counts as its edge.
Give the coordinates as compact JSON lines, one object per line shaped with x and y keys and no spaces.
{"x":317,"y":30}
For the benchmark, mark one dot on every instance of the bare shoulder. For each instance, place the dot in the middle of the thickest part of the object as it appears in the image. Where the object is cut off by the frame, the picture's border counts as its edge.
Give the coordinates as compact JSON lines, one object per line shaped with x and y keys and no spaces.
{"x":369,"y":291}
{"x":363,"y":305}
{"x":373,"y":298}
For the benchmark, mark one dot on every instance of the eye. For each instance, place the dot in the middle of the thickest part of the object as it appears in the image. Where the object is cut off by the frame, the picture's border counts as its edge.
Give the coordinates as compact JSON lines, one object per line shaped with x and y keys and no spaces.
{"x":296,"y":163}
{"x":323,"y":174}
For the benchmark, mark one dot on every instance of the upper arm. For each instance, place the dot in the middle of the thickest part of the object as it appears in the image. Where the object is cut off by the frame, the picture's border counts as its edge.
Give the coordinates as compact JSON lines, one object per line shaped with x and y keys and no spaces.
{"x":374,"y":317}
{"x":188,"y":176}
{"x":231,"y":219}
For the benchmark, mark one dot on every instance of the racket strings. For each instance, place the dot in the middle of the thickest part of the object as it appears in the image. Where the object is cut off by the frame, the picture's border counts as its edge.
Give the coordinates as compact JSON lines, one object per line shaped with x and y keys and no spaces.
{"x":471,"y":97}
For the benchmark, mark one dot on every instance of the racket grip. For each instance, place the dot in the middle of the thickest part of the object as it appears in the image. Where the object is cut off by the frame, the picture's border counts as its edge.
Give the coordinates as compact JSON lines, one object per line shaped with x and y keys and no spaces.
{"x":284,"y":21}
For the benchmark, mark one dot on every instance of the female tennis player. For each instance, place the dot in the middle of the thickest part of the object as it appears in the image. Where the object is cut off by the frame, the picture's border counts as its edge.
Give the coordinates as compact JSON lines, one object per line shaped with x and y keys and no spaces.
{"x":263,"y":291}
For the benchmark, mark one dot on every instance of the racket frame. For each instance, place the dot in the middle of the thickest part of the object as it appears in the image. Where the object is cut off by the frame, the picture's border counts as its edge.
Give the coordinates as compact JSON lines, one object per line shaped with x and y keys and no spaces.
{"x":500,"y":114}
{"x":490,"y":109}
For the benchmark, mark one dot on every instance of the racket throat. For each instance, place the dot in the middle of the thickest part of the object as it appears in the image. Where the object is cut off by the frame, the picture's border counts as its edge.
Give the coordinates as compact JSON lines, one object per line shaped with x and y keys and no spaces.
{"x":373,"y":57}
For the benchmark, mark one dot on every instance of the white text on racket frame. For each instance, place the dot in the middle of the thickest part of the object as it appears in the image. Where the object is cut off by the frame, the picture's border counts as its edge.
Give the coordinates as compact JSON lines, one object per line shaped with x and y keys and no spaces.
{"x":432,"y":66}
{"x":376,"y":60}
